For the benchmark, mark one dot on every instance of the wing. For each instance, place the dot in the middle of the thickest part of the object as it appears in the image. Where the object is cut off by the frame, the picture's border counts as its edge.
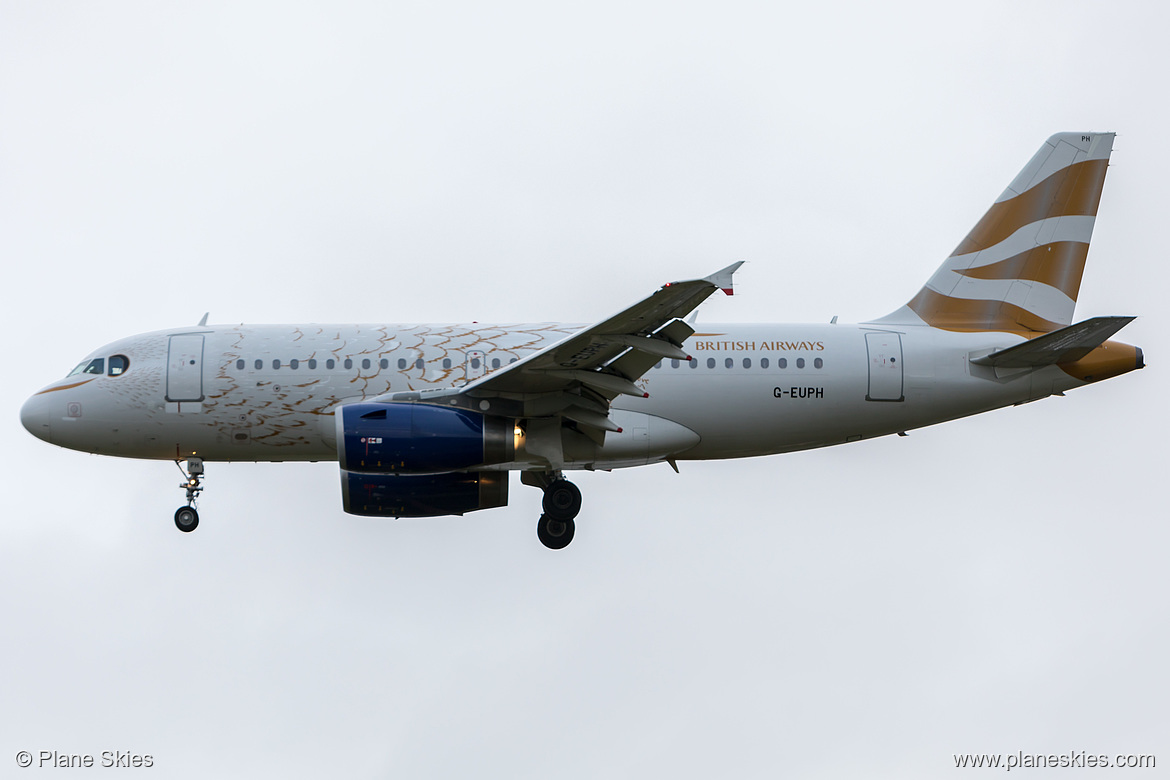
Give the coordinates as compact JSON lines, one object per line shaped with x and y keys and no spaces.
{"x":577,"y":377}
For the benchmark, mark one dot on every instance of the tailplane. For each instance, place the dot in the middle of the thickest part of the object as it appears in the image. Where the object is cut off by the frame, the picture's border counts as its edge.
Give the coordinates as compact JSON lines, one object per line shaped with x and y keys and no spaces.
{"x":1019,"y":269}
{"x":1067,"y":345}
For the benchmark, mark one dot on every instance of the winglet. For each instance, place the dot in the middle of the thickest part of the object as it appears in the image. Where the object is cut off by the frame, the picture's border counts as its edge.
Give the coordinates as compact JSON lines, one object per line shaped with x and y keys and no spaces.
{"x":722,"y":279}
{"x":203,"y":321}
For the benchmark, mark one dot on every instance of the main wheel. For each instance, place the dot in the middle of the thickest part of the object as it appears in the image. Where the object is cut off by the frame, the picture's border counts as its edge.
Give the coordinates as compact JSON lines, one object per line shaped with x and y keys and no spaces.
{"x":186,"y":519}
{"x":562,"y":500}
{"x":555,"y":534}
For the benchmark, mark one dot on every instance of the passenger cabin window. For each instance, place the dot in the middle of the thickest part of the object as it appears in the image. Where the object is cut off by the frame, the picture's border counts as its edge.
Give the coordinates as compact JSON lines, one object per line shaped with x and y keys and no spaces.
{"x":330,"y":363}
{"x":276,"y":363}
{"x":800,"y":362}
{"x":384,"y":363}
{"x":418,"y":363}
{"x":401,"y":363}
{"x":348,"y":363}
{"x":365,"y":362}
{"x":818,"y":363}
{"x":710,"y":362}
{"x":240,"y":365}
{"x":294,"y":364}
{"x":728,"y":363}
{"x":118,"y":365}
{"x":259,"y":364}
{"x":312,"y":363}
{"x":446,"y":362}
{"x":495,"y":362}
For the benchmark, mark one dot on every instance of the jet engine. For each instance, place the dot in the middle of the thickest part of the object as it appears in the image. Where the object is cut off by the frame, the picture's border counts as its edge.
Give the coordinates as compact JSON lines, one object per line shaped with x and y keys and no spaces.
{"x":402,"y":438}
{"x":423,"y":495}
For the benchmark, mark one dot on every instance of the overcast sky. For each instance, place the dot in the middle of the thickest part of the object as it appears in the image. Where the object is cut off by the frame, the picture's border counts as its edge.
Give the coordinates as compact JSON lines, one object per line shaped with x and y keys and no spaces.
{"x":995,"y":584}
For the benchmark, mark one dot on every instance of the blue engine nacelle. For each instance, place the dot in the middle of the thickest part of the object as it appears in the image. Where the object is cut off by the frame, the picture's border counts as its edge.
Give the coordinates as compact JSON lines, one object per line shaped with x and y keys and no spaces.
{"x":423,"y":495}
{"x":397,"y":438}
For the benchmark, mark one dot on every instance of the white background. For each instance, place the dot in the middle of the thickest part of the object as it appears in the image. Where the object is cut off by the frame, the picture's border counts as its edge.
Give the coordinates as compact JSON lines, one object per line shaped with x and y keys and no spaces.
{"x":990,"y":585}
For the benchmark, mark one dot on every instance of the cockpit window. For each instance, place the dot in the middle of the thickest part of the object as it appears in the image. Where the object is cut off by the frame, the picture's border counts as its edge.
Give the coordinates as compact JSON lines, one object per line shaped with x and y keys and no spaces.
{"x":118,"y":365}
{"x":95,"y":366}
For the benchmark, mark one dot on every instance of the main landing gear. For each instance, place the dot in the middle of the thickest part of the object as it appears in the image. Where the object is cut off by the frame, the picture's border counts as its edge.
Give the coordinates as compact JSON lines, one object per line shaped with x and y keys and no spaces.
{"x":186,"y":518}
{"x":561,"y":504}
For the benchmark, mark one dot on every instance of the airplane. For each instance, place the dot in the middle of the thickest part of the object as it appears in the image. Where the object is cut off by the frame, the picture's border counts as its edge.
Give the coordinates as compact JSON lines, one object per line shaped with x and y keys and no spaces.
{"x":428,"y":420}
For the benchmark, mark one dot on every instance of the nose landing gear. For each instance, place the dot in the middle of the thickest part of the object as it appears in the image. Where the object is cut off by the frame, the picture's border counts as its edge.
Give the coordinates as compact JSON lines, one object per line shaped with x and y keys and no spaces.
{"x":186,"y":517}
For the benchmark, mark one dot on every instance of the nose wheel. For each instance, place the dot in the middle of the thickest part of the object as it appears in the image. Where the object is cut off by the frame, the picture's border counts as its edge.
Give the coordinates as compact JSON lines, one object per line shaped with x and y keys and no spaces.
{"x":186,"y":517}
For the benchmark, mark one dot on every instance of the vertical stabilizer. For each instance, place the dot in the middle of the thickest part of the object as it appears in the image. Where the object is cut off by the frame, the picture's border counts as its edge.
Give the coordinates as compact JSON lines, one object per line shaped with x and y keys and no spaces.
{"x":1019,"y":269}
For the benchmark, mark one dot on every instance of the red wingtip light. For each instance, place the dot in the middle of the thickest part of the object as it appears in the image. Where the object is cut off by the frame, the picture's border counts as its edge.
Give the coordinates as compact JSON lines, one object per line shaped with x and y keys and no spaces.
{"x":619,"y":430}
{"x":645,"y":395}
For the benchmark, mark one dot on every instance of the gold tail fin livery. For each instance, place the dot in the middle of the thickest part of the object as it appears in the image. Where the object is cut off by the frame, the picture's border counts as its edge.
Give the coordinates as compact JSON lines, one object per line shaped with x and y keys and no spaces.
{"x":1019,"y":269}
{"x":430,"y":420}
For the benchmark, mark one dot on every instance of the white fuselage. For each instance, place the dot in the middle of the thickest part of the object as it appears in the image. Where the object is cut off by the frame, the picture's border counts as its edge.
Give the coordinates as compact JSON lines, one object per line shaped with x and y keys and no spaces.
{"x":267,"y":393}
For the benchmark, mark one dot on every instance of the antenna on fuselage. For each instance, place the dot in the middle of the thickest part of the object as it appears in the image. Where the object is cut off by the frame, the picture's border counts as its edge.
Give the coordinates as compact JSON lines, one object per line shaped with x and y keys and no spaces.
{"x":203,"y":321}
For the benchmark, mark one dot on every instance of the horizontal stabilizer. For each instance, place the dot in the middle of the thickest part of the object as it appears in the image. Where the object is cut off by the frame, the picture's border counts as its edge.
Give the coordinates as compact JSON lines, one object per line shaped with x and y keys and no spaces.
{"x":1066,"y":345}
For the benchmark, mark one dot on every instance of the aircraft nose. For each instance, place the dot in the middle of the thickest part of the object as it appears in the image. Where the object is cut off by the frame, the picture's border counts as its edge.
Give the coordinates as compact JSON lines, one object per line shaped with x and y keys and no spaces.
{"x":34,"y":416}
